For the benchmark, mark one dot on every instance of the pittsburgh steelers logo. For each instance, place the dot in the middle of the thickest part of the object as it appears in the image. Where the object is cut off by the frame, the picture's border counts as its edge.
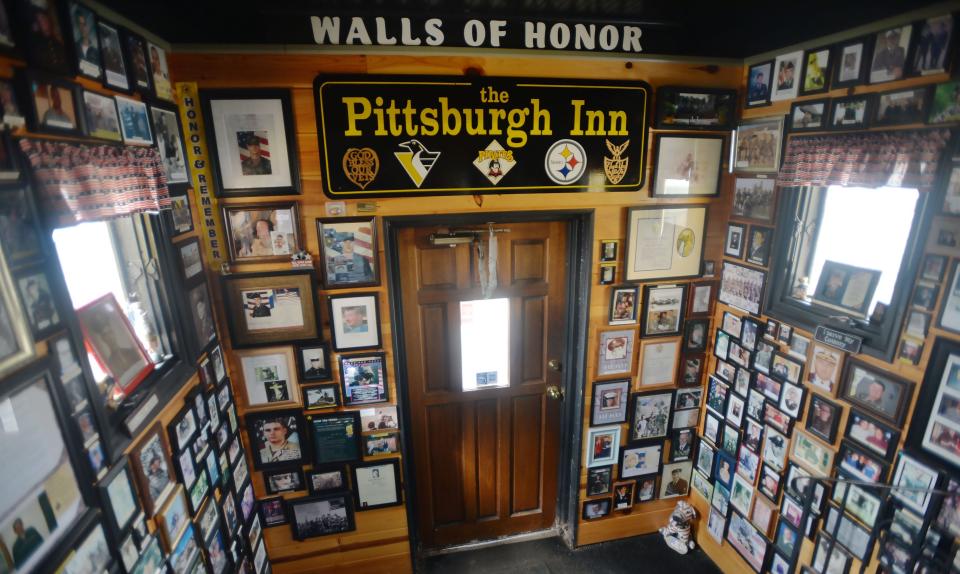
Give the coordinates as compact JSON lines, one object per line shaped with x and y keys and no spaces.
{"x":565,"y":162}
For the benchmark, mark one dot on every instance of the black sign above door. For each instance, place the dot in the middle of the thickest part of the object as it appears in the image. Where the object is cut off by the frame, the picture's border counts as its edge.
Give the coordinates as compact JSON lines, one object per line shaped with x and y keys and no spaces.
{"x":394,"y":136}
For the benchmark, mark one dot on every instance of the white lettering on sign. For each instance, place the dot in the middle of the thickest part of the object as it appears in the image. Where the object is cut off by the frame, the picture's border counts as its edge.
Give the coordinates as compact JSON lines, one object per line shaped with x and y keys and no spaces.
{"x":476,"y":33}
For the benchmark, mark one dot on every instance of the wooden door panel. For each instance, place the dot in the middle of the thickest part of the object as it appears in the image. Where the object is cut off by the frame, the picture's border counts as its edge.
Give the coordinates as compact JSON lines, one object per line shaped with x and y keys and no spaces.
{"x":489,"y":456}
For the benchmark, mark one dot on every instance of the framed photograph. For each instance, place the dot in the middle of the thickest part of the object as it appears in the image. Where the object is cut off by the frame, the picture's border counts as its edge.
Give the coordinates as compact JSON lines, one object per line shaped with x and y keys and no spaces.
{"x":335,"y":437}
{"x":685,"y":418}
{"x":717,"y":393}
{"x":890,"y":50}
{"x":650,"y":416}
{"x":769,"y":483}
{"x":749,"y":543}
{"x":349,"y":252}
{"x":871,"y":434}
{"x":791,"y":399}
{"x":933,"y":430}
{"x":599,"y":480}
{"x":272,"y":511}
{"x":762,"y":514}
{"x":313,"y":362}
{"x":759,"y":143}
{"x":824,"y":370}
{"x":853,"y":59}
{"x":708,"y":269}
{"x":742,"y":287}
{"x":86,"y":44}
{"x":705,"y":458}
{"x":753,"y":198}
{"x":675,"y":480}
{"x":174,"y":518}
{"x":321,"y":515}
{"x":275,"y":307}
{"x":251,"y":134}
{"x":325,"y":396}
{"x":681,"y":444}
{"x":813,"y":455}
{"x":750,"y":334}
{"x":39,"y":301}
{"x":879,"y":393}
{"x":263,"y":232}
{"x":380,"y":443}
{"x":854,"y":537}
{"x":594,"y":509}
{"x":609,"y":249}
{"x":758,"y":245}
{"x":191,"y":261}
{"x":646,"y":488}
{"x":716,"y":524}
{"x":610,"y":399}
{"x":786,"y":83}
{"x":376,"y":484}
{"x":181,"y":219}
{"x":166,"y":125}
{"x":119,"y":499}
{"x":268,"y":377}
{"x":711,"y":428}
{"x":327,"y":480}
{"x":753,"y":435}
{"x":933,"y":52}
{"x":275,"y":438}
{"x":851,"y":113}
{"x":860,"y":464}
{"x":608,"y":273}
{"x":823,"y":418}
{"x":616,"y":353}
{"x":664,"y":242}
{"x":114,"y":67}
{"x":748,"y":463}
{"x":741,"y":494}
{"x":901,"y":107}
{"x":135,"y":53}
{"x":695,"y":108}
{"x":777,"y":418}
{"x":658,"y":362}
{"x":53,"y":105}
{"x":736,"y":239}
{"x":816,"y":70}
{"x":162,"y":87}
{"x":623,"y":305}
{"x":134,"y":121}
{"x":640,"y":460}
{"x":942,"y":105}
{"x":662,"y":310}
{"x":701,"y":299}
{"x":948,"y":516}
{"x":692,"y":370}
{"x":602,"y":446}
{"x":355,"y":321}
{"x":759,"y":81}
{"x":182,"y":428}
{"x":364,"y":379}
{"x":100,"y":113}
{"x":724,"y":470}
{"x":285,"y":480}
{"x":687,"y":165}
{"x":809,"y":115}
{"x":10,"y":111}
{"x":115,"y":345}
{"x":919,"y":477}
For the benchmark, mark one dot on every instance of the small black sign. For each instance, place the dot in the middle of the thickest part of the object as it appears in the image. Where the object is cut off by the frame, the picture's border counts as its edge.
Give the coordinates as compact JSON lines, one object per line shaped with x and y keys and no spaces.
{"x":838,"y":339}
{"x":393,"y":136}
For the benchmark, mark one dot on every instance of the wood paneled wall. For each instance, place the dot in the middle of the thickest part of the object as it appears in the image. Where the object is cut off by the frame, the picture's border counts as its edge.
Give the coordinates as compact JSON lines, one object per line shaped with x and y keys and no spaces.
{"x":380,"y":542}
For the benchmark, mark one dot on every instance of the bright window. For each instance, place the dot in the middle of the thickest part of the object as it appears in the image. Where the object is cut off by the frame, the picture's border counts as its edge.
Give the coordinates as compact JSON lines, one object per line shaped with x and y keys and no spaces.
{"x":485,"y":343}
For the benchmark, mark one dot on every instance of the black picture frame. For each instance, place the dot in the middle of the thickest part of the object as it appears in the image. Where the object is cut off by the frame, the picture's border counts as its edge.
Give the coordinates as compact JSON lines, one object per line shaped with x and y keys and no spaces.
{"x":287,"y":418}
{"x":340,"y":437}
{"x":120,"y":472}
{"x":758,"y":88}
{"x":599,"y":480}
{"x":118,"y":80}
{"x":614,"y":317}
{"x":341,"y":499}
{"x":49,"y":52}
{"x":32,"y":305}
{"x":347,"y":378}
{"x":179,"y":218}
{"x":935,"y":378}
{"x":339,"y":342}
{"x":878,"y":53}
{"x":339,"y":484}
{"x":736,"y":238}
{"x":599,"y":388}
{"x":266,"y":520}
{"x":328,"y":240}
{"x":826,"y":432}
{"x":138,"y":68}
{"x":332,"y":386}
{"x":31,"y":82}
{"x":167,"y":134}
{"x":207,"y":99}
{"x":843,"y":105}
{"x":325,"y":373}
{"x":920,"y":94}
{"x":725,"y":108}
{"x":626,"y":450}
{"x":826,"y":74}
{"x":394,"y":463}
{"x":197,"y":275}
{"x":658,"y":146}
{"x":89,"y":65}
{"x":758,"y":254}
{"x":690,"y":345}
{"x":648,"y":292}
{"x":903,"y":401}
{"x":177,"y":429}
{"x":915,"y":68}
{"x":798,"y":111}
{"x":271,"y":485}
{"x":855,"y":74}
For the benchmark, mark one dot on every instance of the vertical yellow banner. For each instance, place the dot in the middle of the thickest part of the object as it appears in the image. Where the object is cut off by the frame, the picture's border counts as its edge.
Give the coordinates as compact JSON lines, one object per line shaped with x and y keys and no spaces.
{"x":204,"y":200}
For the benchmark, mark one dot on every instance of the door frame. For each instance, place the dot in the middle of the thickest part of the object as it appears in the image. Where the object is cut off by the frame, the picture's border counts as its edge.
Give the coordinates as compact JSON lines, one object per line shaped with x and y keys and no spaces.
{"x":580,"y":224}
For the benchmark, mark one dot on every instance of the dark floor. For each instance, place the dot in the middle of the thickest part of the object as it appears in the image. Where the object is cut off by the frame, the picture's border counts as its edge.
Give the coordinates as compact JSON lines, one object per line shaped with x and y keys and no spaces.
{"x":646,"y":553}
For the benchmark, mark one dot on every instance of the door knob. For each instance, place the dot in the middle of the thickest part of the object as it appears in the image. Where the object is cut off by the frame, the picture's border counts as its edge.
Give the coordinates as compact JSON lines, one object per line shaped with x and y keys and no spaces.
{"x":555,"y":392}
{"x":554,"y":365}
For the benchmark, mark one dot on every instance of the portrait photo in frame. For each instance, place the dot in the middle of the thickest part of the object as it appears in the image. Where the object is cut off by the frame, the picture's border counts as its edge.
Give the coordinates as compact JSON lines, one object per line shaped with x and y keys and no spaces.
{"x":262,"y":232}
{"x":251,"y":134}
{"x":664,"y":242}
{"x":376,"y":484}
{"x":355,"y":321}
{"x":349,"y":255}
{"x":276,"y":438}
{"x":115,"y":344}
{"x":760,"y":78}
{"x":610,"y":401}
{"x":786,"y":76}
{"x":313,"y":362}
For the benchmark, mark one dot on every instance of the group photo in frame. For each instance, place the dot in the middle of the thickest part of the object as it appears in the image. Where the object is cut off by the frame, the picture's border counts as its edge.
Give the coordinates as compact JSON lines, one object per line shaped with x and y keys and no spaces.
{"x":251,"y":135}
{"x":687,"y":165}
{"x":664,"y":242}
{"x":663,"y":309}
{"x":276,"y":307}
{"x":348,"y":252}
{"x":695,"y":108}
{"x":758,"y":145}
{"x":321,"y":515}
{"x":262,"y":232}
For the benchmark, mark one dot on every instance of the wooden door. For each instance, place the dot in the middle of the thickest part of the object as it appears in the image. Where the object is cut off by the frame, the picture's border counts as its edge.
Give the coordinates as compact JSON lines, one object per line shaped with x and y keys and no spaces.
{"x":486,"y":459}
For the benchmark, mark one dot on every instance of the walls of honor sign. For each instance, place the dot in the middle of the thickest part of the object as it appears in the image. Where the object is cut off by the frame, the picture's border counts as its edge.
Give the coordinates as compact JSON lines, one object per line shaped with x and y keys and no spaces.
{"x":390,"y":136}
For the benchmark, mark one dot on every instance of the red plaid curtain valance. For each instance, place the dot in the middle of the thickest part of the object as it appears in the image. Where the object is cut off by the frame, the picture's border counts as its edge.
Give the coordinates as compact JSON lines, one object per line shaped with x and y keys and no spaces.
{"x":81,"y":182}
{"x":906,"y":158}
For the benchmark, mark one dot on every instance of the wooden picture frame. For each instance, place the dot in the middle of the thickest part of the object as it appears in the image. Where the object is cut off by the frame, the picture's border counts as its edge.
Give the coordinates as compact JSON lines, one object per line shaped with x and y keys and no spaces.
{"x":661,"y":234}
{"x":262,"y":232}
{"x":658,"y":360}
{"x":239,"y":123}
{"x":890,"y":406}
{"x":683,"y":161}
{"x":268,"y":377}
{"x":349,"y":252}
{"x":246,"y":294}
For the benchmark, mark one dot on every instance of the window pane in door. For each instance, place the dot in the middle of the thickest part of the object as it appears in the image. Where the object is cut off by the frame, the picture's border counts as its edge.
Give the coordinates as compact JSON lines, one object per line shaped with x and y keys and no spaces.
{"x":485,"y":343}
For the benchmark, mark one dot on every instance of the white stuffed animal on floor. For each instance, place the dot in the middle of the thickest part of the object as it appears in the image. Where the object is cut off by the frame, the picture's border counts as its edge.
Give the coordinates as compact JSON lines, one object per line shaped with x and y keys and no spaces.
{"x":677,"y":532}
